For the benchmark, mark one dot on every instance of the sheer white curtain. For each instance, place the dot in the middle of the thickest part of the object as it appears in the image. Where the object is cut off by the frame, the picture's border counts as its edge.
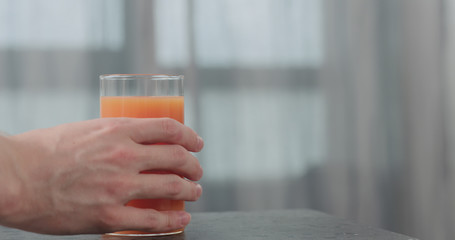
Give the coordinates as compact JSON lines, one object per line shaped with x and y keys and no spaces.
{"x":341,"y":106}
{"x":389,"y":84}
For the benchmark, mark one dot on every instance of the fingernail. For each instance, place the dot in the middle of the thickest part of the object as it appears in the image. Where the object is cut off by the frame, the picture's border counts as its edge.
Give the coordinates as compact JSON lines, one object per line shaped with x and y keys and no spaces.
{"x":199,"y":190}
{"x":200,"y":142}
{"x":184,"y":218}
{"x":202,"y":172}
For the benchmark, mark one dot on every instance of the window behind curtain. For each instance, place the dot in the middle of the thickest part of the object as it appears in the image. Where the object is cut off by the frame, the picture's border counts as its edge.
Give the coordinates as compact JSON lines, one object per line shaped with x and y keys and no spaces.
{"x":255,"y":65}
{"x":54,"y":24}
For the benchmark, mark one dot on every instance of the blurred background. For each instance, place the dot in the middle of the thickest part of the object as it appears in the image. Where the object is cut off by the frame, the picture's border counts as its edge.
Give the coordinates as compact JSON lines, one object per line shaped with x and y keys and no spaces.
{"x":347,"y":106}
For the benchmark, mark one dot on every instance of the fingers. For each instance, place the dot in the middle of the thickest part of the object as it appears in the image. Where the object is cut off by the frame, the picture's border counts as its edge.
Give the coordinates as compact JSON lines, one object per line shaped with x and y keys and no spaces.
{"x":164,"y":186}
{"x":165,"y":130}
{"x":148,"y":220}
{"x":172,"y":158}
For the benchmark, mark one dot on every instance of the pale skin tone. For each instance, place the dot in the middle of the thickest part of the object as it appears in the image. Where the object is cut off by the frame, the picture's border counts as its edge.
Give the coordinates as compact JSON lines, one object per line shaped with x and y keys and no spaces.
{"x":76,"y":178}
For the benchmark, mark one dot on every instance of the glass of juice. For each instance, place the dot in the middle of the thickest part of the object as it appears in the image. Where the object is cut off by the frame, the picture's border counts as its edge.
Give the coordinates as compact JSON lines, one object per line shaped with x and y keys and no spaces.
{"x":144,"y":96}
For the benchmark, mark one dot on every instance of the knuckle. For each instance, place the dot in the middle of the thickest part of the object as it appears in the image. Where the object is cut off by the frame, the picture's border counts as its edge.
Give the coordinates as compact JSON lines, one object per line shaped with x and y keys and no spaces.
{"x":174,"y":186}
{"x":167,"y":223}
{"x":171,"y":222}
{"x":121,"y":152}
{"x":153,"y":220}
{"x":172,"y":129}
{"x":118,"y":189}
{"x":179,"y":155}
{"x":107,"y":219}
{"x":114,"y":125}
{"x":114,"y":191}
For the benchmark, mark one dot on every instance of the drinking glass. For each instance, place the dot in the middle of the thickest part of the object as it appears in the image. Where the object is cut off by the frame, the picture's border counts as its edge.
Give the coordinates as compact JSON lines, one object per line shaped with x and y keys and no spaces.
{"x":144,"y":96}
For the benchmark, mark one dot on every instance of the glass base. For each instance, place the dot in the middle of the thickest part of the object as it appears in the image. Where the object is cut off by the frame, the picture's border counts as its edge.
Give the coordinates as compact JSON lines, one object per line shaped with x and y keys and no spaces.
{"x":144,"y":234}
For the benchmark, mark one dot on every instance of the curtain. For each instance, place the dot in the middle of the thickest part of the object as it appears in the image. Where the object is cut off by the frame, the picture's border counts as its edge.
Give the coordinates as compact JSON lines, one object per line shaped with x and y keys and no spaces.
{"x":340,"y":106}
{"x":388,"y":86}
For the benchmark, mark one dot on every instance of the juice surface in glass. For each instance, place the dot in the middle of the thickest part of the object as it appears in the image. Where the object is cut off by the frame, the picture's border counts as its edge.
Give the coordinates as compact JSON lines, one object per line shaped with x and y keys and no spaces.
{"x":146,"y":107}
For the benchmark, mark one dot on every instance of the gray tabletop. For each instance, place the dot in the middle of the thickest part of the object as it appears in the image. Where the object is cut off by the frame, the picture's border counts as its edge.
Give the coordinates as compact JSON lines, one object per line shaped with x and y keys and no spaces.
{"x":273,"y":224}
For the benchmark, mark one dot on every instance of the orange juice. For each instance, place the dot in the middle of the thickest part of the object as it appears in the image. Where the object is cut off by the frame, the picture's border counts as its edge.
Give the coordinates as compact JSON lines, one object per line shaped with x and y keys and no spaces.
{"x":143,"y":107}
{"x":146,"y":107}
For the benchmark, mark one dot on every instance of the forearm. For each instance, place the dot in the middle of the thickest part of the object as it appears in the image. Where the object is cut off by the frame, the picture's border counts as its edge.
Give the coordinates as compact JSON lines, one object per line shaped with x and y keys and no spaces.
{"x":9,"y":181}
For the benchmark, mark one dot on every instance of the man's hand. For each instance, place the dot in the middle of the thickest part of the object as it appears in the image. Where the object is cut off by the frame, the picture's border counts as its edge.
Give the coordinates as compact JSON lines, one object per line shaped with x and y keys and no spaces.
{"x":76,"y":178}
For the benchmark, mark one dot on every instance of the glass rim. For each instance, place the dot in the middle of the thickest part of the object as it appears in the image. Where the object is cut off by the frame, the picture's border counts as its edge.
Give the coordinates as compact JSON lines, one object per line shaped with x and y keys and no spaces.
{"x":114,"y":77}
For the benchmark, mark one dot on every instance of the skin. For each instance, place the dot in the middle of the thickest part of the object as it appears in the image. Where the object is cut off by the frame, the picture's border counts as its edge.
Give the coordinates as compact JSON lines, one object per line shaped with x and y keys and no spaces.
{"x":76,"y":178}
